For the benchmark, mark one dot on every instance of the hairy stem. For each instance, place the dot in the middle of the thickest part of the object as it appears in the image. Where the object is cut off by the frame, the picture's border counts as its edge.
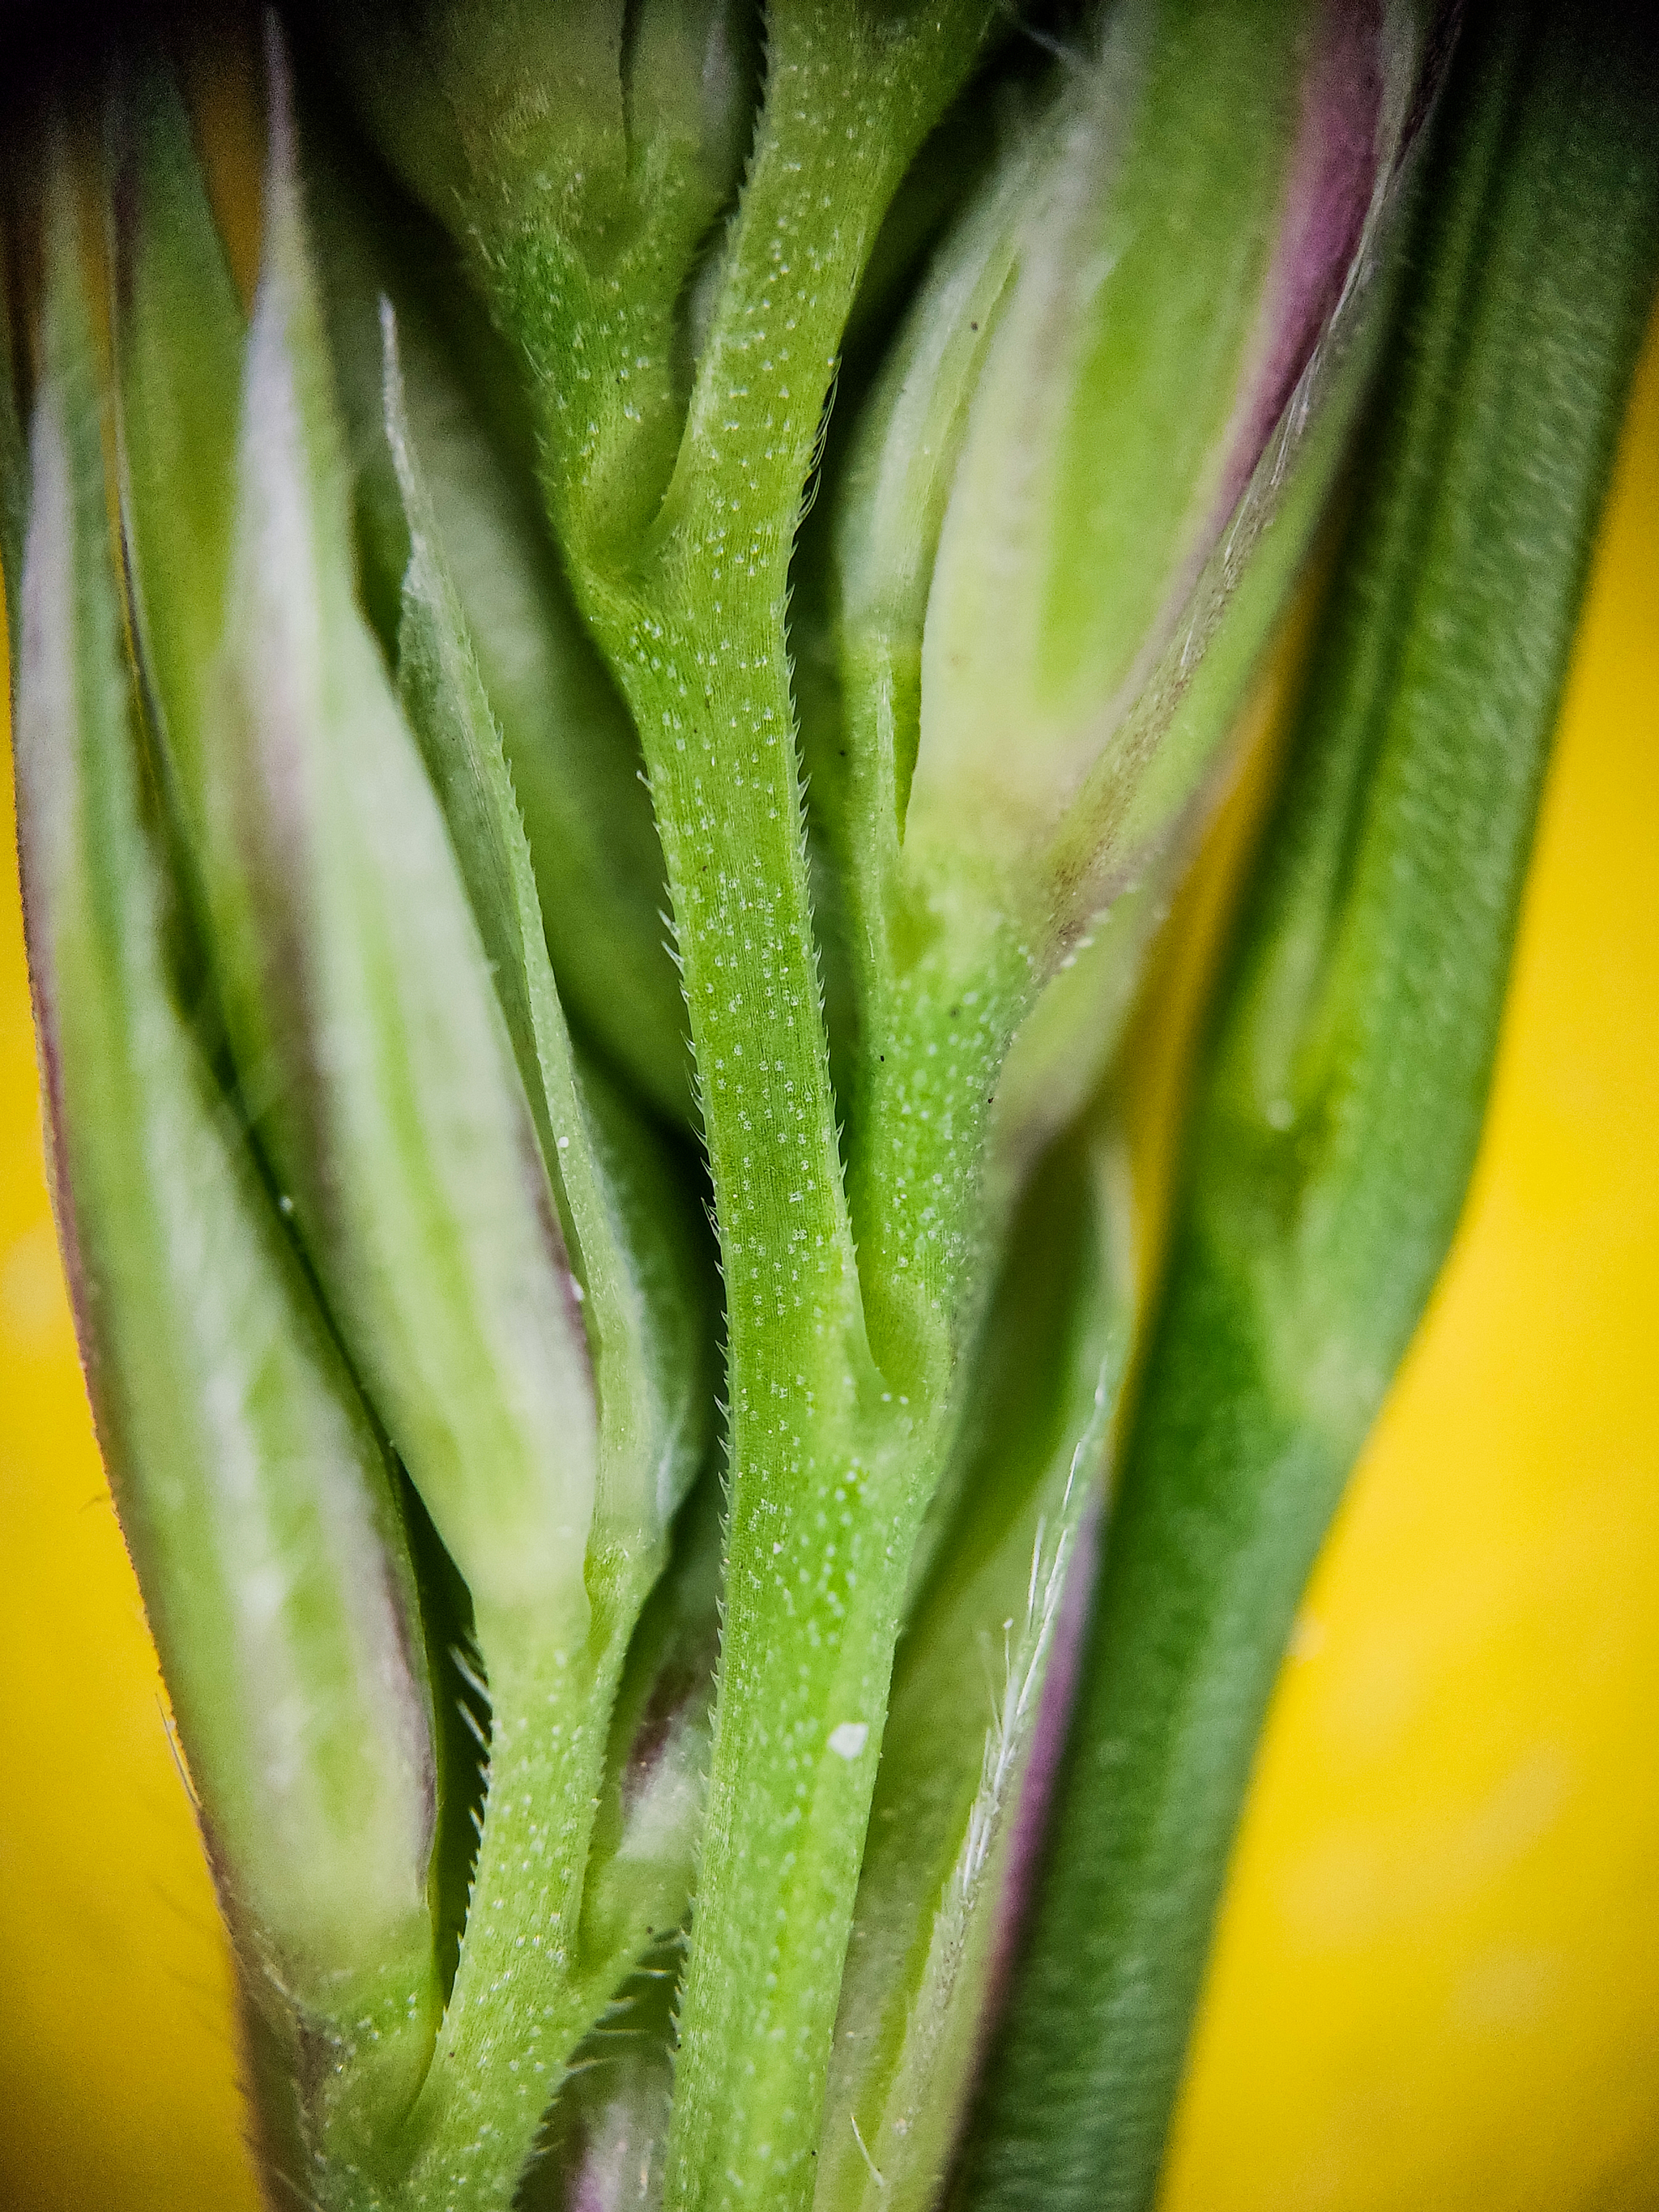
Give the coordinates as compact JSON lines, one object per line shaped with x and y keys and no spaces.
{"x":830,"y":1469}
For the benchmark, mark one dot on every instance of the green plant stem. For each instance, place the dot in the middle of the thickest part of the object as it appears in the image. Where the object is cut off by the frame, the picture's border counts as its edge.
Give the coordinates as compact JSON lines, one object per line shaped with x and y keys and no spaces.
{"x":830,"y":1469}
{"x":519,"y":2005}
{"x":990,"y":1610}
{"x":1338,"y":1121}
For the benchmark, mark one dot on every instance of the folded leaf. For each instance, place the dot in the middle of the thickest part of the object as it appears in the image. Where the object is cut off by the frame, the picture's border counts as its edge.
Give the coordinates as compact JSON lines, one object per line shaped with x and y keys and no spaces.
{"x":570,"y":742}
{"x":252,"y":1488}
{"x":178,"y":338}
{"x":628,"y":1223}
{"x":1200,"y":208}
{"x":369,"y":1045}
{"x":1336,"y":1125}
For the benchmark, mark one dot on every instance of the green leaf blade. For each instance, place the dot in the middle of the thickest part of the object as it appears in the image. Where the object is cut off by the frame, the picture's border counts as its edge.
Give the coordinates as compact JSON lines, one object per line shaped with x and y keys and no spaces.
{"x":252,"y":1484}
{"x":1336,"y":1125}
{"x":367,"y":1035}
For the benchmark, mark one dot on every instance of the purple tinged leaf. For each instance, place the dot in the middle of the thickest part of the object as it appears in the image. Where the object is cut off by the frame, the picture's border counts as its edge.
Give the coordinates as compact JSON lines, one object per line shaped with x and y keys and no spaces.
{"x":368,"y":1040}
{"x":1134,"y":317}
{"x":251,"y":1488}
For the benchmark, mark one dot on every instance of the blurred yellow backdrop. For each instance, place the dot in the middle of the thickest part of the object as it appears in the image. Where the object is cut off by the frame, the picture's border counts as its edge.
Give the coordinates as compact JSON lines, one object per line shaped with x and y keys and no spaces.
{"x":1436,"y":1983}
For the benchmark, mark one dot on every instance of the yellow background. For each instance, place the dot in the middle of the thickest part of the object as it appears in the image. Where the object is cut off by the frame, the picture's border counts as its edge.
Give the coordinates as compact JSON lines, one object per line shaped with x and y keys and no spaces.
{"x":1436,"y":1983}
